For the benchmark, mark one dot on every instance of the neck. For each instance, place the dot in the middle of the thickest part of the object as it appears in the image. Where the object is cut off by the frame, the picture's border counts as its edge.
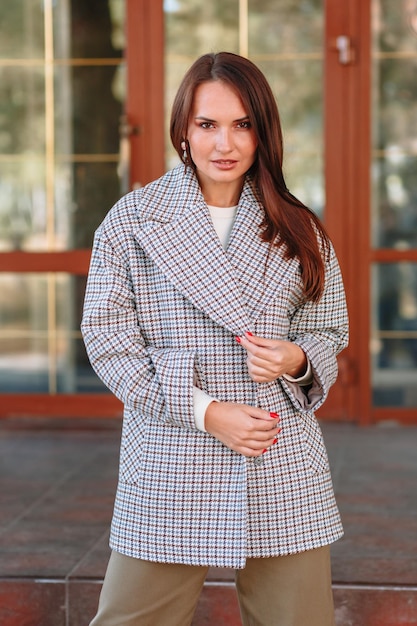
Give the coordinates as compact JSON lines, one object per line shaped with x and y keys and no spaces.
{"x":222,"y":195}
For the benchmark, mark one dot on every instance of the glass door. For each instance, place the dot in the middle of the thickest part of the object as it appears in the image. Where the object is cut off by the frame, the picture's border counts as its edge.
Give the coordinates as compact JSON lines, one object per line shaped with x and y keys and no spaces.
{"x":62,"y":85}
{"x":394,"y":208}
{"x":287,"y":40}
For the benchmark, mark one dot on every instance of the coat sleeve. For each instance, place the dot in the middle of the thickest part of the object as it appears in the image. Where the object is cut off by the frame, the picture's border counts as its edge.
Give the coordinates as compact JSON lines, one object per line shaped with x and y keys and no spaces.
{"x":157,"y":382}
{"x":321,"y":330}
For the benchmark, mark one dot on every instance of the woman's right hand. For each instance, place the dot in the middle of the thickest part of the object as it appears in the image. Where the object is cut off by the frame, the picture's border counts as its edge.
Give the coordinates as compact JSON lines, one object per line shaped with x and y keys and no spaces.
{"x":242,"y":428}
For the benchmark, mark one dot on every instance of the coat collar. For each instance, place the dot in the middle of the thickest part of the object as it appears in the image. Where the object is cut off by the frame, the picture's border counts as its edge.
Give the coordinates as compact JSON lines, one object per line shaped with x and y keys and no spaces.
{"x":177,"y":233}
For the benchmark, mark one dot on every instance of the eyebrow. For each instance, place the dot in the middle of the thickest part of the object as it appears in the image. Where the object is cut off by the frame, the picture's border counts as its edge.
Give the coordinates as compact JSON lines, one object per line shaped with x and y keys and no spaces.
{"x":207,"y":119}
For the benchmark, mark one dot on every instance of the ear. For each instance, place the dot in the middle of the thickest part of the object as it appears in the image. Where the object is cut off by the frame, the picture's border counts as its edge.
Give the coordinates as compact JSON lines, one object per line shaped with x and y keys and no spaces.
{"x":183,"y":145}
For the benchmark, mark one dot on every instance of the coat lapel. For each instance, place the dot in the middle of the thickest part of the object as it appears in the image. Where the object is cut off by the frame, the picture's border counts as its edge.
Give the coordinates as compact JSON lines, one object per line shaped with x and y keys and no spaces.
{"x":232,"y":287}
{"x":262,"y":270}
{"x":188,"y":252}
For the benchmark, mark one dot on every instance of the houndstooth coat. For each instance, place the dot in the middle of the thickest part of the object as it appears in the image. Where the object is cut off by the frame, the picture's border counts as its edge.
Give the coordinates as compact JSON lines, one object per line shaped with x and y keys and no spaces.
{"x":163,"y":305}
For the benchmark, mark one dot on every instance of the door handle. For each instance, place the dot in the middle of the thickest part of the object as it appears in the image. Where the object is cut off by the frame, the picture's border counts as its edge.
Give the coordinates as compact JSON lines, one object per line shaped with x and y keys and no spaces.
{"x":345,"y":49}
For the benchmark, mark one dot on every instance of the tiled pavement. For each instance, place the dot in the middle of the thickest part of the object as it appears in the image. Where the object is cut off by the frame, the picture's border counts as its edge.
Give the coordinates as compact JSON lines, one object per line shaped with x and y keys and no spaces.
{"x":57,"y":483}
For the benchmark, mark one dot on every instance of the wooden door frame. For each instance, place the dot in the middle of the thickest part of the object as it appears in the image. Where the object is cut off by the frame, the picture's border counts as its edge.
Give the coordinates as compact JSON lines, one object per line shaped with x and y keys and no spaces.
{"x":348,"y":139}
{"x":145,"y":84}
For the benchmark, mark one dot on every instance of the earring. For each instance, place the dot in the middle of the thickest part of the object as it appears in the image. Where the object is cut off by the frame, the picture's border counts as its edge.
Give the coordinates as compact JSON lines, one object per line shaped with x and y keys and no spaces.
{"x":184,"y":154}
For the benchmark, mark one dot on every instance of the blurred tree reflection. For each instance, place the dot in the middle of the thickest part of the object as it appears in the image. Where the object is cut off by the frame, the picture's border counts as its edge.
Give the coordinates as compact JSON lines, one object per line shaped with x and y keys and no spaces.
{"x":395,"y":127}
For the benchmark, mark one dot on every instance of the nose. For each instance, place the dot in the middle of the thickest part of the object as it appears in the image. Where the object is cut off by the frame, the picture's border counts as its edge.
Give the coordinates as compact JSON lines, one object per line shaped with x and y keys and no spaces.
{"x":223,"y":140}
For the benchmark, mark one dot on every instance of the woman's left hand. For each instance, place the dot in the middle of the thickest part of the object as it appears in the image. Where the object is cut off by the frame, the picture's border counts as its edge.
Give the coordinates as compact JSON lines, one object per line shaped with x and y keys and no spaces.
{"x":268,"y":359}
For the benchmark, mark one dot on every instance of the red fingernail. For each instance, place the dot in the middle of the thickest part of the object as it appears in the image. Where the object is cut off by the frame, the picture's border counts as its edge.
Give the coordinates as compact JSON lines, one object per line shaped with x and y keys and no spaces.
{"x":237,"y":339}
{"x":274,"y":415}
{"x":265,"y":450}
{"x":275,"y":440}
{"x":249,"y":333}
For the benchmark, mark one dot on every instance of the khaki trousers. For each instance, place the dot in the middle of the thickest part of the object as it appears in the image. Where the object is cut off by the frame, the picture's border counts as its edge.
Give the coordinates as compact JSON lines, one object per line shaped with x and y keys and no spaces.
{"x":290,"y":590}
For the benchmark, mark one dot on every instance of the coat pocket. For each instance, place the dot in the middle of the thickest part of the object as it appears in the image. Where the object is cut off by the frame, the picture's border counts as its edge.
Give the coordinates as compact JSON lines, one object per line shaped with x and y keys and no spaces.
{"x":312,"y":440}
{"x":135,"y":427}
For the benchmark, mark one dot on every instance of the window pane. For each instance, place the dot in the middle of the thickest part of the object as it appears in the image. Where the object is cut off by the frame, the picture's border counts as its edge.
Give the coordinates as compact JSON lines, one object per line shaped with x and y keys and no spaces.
{"x":24,"y":364}
{"x":395,"y":125}
{"x":194,"y":28}
{"x":297,"y":86}
{"x":394,"y":217}
{"x":87,"y":29}
{"x":73,"y":369}
{"x":59,"y":150}
{"x":41,"y":348}
{"x":59,"y":132}
{"x":22,"y":204}
{"x":394,"y":334}
{"x":395,"y":25}
{"x":21,"y":29}
{"x":84,"y":192}
{"x":90,"y":189}
{"x":24,"y":357}
{"x":282,"y":27}
{"x":23,"y":304}
{"x":22,"y":110}
{"x":88,"y":108}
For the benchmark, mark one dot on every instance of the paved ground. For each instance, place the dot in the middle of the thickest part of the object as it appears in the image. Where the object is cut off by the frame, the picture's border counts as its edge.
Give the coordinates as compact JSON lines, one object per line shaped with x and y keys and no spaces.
{"x":56,"y":494}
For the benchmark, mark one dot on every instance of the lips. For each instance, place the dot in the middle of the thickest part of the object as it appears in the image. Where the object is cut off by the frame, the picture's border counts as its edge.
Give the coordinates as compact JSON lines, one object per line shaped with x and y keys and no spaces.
{"x":224,"y":164}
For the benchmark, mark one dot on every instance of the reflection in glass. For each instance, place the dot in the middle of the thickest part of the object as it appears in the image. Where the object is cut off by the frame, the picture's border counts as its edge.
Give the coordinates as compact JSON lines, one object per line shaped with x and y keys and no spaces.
{"x":395,"y":201}
{"x":69,"y":298}
{"x":23,"y":304}
{"x":45,"y":198}
{"x":95,"y":29}
{"x":24,"y":358}
{"x":209,"y":26}
{"x":84,"y":193}
{"x":22,"y":204}
{"x":59,"y":146}
{"x":87,"y":146}
{"x":285,"y":40}
{"x":41,"y":349}
{"x":73,"y":370}
{"x":394,"y":334}
{"x":24,"y":364}
{"x":395,"y":125}
{"x":285,"y":27}
{"x":395,"y":25}
{"x":93,"y":119}
{"x":21,"y":29}
{"x":22,"y":110}
{"x":297,"y":86}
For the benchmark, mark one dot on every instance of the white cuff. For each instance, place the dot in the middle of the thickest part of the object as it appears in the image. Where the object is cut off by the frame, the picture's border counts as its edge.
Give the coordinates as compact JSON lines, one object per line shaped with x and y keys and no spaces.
{"x":304,"y":380}
{"x":201,"y":401}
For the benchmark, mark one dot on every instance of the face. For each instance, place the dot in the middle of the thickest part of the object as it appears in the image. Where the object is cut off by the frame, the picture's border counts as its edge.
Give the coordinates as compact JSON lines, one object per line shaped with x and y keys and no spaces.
{"x":221,"y":141}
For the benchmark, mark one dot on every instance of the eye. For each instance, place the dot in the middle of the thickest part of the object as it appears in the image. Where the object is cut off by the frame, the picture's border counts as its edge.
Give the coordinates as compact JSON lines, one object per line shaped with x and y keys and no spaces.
{"x":246,"y":125}
{"x":206,"y":125}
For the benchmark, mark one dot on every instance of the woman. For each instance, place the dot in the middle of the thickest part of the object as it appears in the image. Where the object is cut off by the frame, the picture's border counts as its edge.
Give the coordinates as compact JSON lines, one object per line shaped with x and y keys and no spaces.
{"x":215,"y":310}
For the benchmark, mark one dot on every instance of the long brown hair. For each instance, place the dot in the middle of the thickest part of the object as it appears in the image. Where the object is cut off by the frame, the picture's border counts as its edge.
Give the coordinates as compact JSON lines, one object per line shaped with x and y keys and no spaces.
{"x":287,"y":222}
